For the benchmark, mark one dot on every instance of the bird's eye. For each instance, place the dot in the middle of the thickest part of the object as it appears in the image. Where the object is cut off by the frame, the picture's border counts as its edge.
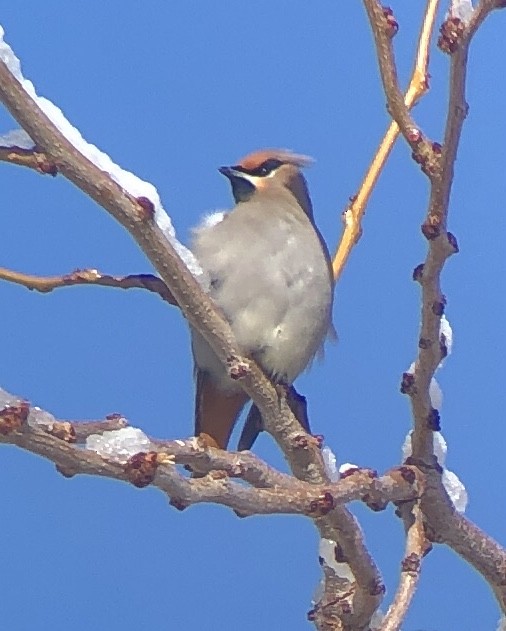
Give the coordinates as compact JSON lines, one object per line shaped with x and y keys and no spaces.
{"x":267,"y":167}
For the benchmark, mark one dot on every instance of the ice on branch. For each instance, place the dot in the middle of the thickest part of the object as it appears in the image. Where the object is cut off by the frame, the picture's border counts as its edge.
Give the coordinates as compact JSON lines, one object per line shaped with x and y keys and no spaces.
{"x":347,"y":466}
{"x":17,"y":138}
{"x":330,"y":462}
{"x":7,"y":399}
{"x":446,"y":330}
{"x":377,"y":620}
{"x":127,"y":180}
{"x":454,"y":487}
{"x":456,"y":490}
{"x":36,"y":416}
{"x":119,"y":444}
{"x":462,"y":9}
{"x":501,"y":625}
{"x":435,"y":392}
{"x":327,"y":553}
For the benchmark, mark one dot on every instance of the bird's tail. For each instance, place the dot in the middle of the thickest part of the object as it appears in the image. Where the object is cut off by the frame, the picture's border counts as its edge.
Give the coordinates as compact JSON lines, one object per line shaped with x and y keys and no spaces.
{"x":216,"y":411}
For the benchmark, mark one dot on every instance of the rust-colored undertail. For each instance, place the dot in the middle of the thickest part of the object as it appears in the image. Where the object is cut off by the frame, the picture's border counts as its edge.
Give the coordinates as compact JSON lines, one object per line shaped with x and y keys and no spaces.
{"x":216,"y":412}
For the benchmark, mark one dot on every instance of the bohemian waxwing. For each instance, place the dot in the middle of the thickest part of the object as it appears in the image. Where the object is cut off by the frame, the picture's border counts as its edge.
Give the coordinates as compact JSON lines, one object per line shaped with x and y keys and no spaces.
{"x":271,"y":277}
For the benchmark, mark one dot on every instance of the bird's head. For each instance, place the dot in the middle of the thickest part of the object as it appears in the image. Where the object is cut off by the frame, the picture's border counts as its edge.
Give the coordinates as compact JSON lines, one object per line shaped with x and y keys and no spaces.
{"x":267,"y":172}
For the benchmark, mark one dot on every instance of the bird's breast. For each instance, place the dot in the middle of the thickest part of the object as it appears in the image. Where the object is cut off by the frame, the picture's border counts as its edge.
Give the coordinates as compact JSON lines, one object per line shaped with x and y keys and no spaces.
{"x":271,"y":280}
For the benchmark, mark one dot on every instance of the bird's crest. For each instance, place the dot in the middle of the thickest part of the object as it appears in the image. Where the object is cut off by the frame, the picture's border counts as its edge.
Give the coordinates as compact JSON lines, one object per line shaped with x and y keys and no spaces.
{"x":257,"y":158}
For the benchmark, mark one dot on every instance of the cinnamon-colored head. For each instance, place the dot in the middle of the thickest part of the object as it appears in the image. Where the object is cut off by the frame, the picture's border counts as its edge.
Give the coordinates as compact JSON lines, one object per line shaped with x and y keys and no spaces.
{"x":267,"y":170}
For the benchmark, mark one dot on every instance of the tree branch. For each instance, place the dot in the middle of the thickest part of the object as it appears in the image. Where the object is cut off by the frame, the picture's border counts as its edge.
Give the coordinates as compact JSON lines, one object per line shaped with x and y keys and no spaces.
{"x":46,"y":284}
{"x":418,"y":87}
{"x":269,"y":490}
{"x":443,"y":523}
{"x":301,"y":451}
{"x":31,"y":158}
{"x":416,"y":547}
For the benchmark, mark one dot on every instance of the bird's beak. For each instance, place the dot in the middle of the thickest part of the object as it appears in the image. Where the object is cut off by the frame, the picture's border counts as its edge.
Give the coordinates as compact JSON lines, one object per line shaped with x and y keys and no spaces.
{"x":242,"y":187}
{"x":229,"y":172}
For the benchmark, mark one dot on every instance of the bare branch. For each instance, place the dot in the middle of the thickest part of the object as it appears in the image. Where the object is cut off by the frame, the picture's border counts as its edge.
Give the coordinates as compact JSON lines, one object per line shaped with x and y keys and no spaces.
{"x":380,"y":20}
{"x":269,"y":491}
{"x":303,"y":454}
{"x":445,"y":525}
{"x":441,"y":245}
{"x":46,"y":284}
{"x":418,"y":87}
{"x":416,"y":548}
{"x":438,"y":164}
{"x":31,"y":158}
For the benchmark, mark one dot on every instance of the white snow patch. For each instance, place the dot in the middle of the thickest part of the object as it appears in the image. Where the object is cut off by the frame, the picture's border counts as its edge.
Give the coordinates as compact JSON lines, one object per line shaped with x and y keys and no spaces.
{"x":446,"y":330}
{"x":120,"y":444}
{"x":347,"y":466}
{"x":6,"y":399}
{"x":456,"y":490}
{"x":462,"y":9}
{"x":127,"y":180}
{"x":17,"y":138}
{"x":454,"y":487}
{"x":327,"y":551}
{"x":330,"y":462}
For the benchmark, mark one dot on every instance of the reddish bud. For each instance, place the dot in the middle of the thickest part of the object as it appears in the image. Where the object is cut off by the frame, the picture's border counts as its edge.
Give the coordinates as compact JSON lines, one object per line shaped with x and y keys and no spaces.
{"x":140,"y":469}
{"x":147,"y":206}
{"x":237,"y":369}
{"x":414,"y":135}
{"x":13,"y":417}
{"x":178,"y":504}
{"x":411,"y":564}
{"x":407,"y":474}
{"x":438,"y":308}
{"x":450,"y":34}
{"x":430,"y":230}
{"x":442,"y":346}
{"x":65,"y":472}
{"x":407,"y":383}
{"x":322,"y":505}
{"x":418,"y":273}
{"x":392,"y":25}
{"x":319,"y":439}
{"x":47,"y":168}
{"x":434,"y":420}
{"x":452,"y":240}
{"x":424,"y":343}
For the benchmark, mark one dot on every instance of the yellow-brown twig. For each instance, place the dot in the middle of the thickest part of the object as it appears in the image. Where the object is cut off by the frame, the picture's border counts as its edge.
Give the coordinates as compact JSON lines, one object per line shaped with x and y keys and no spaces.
{"x":418,"y":86}
{"x":31,"y":158}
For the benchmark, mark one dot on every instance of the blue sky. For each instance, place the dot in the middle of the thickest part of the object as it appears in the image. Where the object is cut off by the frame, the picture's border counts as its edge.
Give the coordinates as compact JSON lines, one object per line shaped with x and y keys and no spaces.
{"x":172,"y":93}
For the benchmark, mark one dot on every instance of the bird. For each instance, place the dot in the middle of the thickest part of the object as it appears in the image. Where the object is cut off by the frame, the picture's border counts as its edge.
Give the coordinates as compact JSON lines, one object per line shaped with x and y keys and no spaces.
{"x":270,"y":276}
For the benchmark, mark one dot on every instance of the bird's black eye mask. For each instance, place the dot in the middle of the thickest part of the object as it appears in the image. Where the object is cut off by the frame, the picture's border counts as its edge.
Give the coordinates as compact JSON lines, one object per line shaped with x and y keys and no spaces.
{"x":263,"y":170}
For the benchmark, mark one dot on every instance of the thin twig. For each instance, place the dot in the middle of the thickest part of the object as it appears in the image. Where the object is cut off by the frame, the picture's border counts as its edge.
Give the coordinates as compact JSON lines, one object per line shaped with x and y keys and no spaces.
{"x":418,"y":87}
{"x":31,"y":158}
{"x":58,"y":441}
{"x":416,"y":547}
{"x":46,"y":284}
